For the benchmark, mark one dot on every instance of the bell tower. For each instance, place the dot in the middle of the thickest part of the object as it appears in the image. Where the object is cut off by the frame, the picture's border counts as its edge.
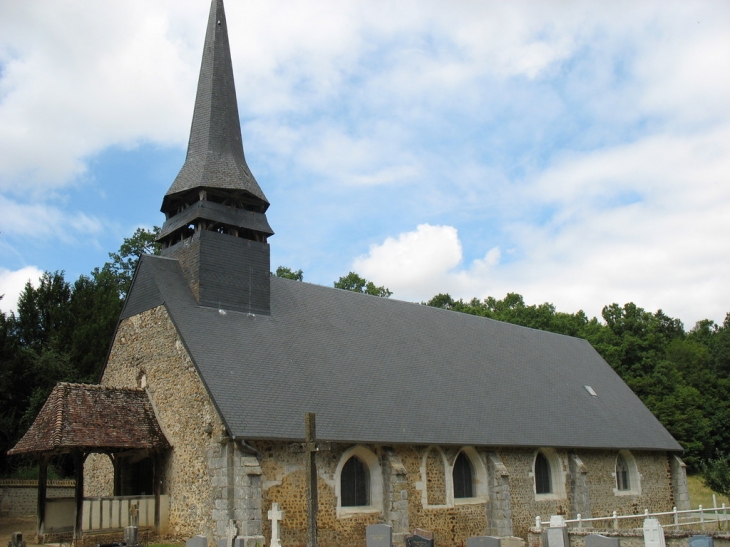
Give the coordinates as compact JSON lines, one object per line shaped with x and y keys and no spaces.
{"x":215,"y":211}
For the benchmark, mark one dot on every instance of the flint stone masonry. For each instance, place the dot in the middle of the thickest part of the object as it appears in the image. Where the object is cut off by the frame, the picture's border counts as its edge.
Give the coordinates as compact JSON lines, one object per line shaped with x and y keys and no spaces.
{"x":147,"y":346}
{"x":22,"y":495}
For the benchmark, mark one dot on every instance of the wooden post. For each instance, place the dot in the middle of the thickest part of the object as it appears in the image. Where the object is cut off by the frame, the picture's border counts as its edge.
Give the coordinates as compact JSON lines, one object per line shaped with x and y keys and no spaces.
{"x":310,"y":449}
{"x":157,"y":487}
{"x":42,"y":480}
{"x":79,"y":494}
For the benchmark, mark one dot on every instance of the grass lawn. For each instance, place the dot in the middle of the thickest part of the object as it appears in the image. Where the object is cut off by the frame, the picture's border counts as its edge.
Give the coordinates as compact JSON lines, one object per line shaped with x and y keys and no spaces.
{"x":699,"y":494}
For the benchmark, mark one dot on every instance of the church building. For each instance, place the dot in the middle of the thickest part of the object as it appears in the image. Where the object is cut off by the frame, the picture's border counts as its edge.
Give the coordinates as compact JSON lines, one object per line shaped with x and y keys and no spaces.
{"x":425,"y":418}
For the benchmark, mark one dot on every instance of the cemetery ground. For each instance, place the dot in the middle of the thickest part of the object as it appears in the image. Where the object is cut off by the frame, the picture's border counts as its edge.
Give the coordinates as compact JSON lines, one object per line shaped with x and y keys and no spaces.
{"x":699,"y":495}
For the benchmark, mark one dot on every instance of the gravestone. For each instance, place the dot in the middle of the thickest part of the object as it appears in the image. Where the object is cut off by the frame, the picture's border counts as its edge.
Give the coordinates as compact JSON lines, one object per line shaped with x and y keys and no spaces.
{"x":275,"y":516}
{"x":701,"y":541}
{"x":557,"y":534}
{"x":420,"y":538}
{"x":653,"y":533}
{"x":131,"y":535}
{"x":379,"y":535}
{"x":511,"y":541}
{"x":231,"y":533}
{"x":483,"y":541}
{"x":16,"y":540}
{"x":597,"y":540}
{"x":197,"y":541}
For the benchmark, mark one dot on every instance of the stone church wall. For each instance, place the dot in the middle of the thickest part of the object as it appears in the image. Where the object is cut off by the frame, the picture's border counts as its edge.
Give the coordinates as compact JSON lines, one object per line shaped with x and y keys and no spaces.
{"x":211,"y":479}
{"x":148,"y":353}
{"x":452,"y":521}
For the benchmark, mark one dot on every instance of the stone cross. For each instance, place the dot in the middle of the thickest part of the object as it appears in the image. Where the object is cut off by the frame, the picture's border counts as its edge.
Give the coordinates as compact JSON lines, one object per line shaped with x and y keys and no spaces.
{"x":231,"y":533}
{"x":275,"y":515}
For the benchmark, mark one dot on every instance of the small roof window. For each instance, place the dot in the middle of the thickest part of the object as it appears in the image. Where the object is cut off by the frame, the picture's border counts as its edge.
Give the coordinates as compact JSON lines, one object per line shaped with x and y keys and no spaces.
{"x":590,"y":390}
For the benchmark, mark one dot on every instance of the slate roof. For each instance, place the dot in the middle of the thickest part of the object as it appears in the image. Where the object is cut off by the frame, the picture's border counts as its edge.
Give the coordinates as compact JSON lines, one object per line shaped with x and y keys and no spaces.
{"x":215,"y":156}
{"x":95,"y":419}
{"x":385,"y":371}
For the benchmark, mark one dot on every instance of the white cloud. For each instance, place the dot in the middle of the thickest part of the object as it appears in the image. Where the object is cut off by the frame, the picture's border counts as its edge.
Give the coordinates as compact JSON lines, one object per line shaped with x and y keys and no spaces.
{"x":666,"y":247}
{"x":12,"y":284}
{"x":43,"y":221}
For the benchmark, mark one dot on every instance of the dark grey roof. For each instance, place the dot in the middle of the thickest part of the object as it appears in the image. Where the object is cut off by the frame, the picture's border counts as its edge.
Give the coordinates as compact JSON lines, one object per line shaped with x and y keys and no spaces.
{"x":386,"y":371}
{"x":215,"y":153}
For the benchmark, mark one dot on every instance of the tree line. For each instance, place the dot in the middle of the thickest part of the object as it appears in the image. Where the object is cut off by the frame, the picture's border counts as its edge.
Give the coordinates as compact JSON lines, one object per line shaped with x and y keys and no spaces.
{"x":61,"y":332}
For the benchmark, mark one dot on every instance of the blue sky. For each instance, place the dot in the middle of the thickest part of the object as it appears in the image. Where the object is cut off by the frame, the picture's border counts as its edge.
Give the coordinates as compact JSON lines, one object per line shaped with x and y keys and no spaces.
{"x":576,"y":153}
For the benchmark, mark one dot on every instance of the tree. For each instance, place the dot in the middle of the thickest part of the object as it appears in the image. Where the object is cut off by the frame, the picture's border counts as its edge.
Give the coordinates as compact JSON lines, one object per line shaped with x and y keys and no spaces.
{"x":124,"y":262}
{"x":355,"y":283}
{"x":716,"y":474}
{"x":288,"y":273}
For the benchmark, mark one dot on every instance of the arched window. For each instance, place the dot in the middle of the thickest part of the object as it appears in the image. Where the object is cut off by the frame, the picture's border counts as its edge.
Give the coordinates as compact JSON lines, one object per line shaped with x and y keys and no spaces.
{"x":623,"y":482}
{"x":354,"y":483}
{"x":543,"y":482}
{"x":358,"y":482}
{"x":463,"y":477}
{"x":628,"y":478}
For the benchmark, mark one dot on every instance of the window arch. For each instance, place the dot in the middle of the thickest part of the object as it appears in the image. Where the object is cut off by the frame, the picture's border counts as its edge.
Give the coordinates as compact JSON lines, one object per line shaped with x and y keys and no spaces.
{"x":626,"y":473}
{"x":463,"y":476}
{"x":623,"y":480}
{"x":543,"y":479}
{"x":548,"y":475}
{"x":355,"y":483}
{"x":358,"y":482}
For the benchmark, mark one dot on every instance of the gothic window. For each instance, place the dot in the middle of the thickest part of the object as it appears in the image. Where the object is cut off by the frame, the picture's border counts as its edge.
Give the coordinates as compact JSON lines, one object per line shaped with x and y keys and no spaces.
{"x":463,"y":477}
{"x":358,"y":482}
{"x":628,"y":479}
{"x":623,"y":482}
{"x":543,"y":482}
{"x":355,"y":483}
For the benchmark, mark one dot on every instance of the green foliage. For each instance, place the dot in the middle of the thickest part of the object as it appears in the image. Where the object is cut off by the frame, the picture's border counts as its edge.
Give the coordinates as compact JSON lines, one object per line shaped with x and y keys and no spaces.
{"x":288,"y":273}
{"x":60,"y":333}
{"x":716,"y":474}
{"x":124,"y":262}
{"x":355,"y":283}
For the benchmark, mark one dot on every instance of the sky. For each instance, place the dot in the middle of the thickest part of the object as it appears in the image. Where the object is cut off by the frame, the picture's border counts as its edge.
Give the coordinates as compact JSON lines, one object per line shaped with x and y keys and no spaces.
{"x":577,"y":153}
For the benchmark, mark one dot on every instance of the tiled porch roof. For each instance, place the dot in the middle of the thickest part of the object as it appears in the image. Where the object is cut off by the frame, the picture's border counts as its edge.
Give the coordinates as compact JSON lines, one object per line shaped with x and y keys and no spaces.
{"x":94,"y":419}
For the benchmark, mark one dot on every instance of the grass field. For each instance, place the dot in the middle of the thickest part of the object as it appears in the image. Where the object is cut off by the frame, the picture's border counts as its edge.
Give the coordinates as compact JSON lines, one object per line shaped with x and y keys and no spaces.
{"x":699,"y":494}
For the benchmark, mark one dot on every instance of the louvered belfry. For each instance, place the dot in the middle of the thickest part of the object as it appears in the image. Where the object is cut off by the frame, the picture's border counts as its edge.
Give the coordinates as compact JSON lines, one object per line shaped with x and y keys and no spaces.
{"x":215,"y":221}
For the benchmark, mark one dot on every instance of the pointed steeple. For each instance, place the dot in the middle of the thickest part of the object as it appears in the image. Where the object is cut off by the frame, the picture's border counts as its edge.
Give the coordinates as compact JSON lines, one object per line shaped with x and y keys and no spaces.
{"x":216,"y":225}
{"x":215,"y":159}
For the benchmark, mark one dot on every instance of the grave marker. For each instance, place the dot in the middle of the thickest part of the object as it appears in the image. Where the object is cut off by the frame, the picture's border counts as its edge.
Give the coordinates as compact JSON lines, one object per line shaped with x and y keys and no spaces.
{"x":420,"y":538}
{"x":701,"y":541}
{"x":653,"y":533}
{"x":557,"y":534}
{"x":483,"y":541}
{"x":16,"y":540}
{"x":275,"y":516}
{"x":197,"y":541}
{"x":379,"y":535}
{"x":597,"y":540}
